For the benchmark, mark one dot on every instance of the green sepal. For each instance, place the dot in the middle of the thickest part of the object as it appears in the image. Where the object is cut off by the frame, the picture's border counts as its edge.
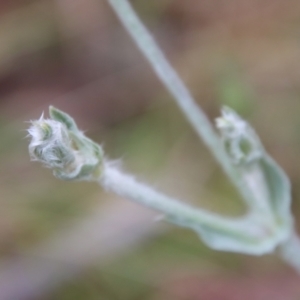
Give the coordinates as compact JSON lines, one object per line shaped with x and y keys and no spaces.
{"x":279,"y":190}
{"x":62,"y":117}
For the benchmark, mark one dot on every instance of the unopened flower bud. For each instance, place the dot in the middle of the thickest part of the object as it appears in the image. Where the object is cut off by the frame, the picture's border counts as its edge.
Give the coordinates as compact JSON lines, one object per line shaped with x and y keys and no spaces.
{"x":59,"y":145}
{"x":239,"y":139}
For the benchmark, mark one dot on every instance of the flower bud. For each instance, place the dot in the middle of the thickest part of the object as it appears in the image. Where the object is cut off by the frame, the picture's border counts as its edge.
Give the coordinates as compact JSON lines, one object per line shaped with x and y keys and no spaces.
{"x":239,"y":139}
{"x":59,"y":145}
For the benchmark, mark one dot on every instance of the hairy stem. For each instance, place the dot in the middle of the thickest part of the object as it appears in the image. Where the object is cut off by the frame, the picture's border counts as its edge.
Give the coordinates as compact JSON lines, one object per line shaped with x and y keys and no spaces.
{"x":126,"y":186}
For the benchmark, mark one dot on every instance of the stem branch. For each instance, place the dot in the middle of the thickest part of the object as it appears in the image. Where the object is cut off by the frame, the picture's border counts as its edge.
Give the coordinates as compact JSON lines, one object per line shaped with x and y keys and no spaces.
{"x":126,"y":186}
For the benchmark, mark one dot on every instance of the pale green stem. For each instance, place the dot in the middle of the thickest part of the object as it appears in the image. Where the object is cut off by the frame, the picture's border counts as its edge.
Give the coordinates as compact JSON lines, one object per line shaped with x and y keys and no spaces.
{"x":126,"y":186}
{"x":181,"y":94}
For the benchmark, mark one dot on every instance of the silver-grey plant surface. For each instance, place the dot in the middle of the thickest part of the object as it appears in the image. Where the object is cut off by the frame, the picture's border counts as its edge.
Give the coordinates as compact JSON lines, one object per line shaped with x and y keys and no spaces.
{"x":268,"y":224}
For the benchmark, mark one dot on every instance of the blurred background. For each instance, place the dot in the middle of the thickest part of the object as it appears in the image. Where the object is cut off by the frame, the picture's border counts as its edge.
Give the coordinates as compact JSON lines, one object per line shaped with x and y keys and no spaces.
{"x":66,"y":240}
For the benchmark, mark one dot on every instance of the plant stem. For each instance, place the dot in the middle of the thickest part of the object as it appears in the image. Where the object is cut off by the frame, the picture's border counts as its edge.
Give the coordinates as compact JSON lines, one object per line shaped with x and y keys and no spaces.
{"x":126,"y":186}
{"x":181,"y":94}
